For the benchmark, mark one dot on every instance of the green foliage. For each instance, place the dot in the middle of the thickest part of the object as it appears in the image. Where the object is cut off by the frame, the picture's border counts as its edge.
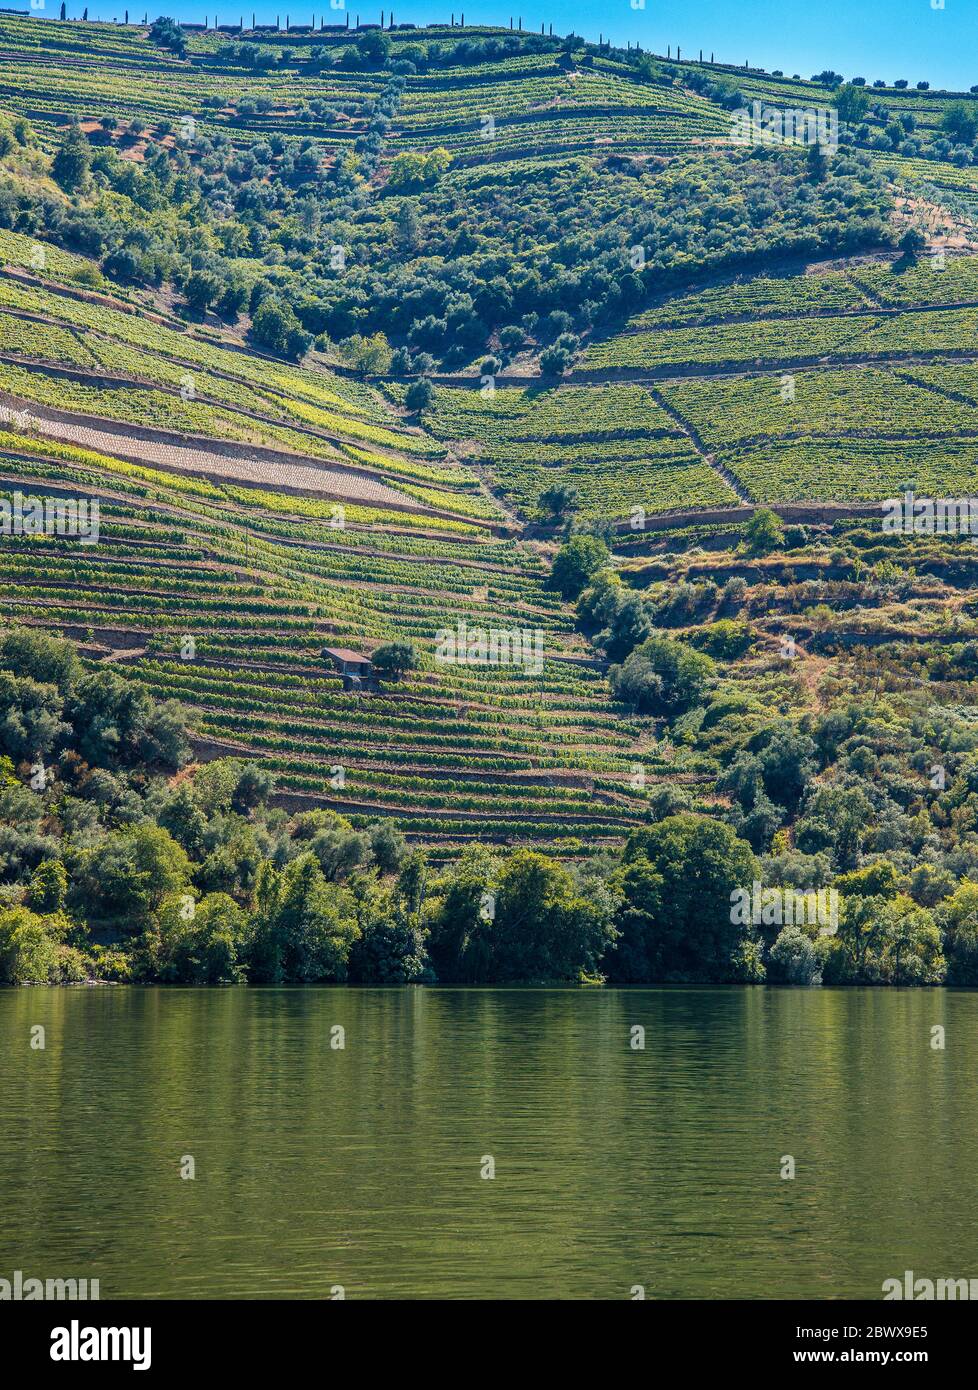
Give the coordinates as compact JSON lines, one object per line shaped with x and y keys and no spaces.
{"x":418,"y":395}
{"x":794,"y":959}
{"x":764,"y":532}
{"x":888,"y":941}
{"x":960,"y":122}
{"x":305,"y":925}
{"x":369,"y":354}
{"x":72,"y":160}
{"x":557,"y":500}
{"x":274,"y":326}
{"x":200,"y":943}
{"x":127,"y":876}
{"x":28,"y":952}
{"x":677,"y":879}
{"x":43,"y":658}
{"x":577,"y":560}
{"x":662,"y":676}
{"x":724,"y":640}
{"x":374,"y":48}
{"x":166,"y":32}
{"x":852,"y":102}
{"x":524,"y":919}
{"x":48,"y":887}
{"x":394,"y":658}
{"x":412,"y":170}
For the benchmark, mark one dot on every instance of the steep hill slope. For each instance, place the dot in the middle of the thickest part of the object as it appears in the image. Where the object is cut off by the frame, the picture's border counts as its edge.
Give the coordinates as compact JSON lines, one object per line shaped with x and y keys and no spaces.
{"x":320,"y":317}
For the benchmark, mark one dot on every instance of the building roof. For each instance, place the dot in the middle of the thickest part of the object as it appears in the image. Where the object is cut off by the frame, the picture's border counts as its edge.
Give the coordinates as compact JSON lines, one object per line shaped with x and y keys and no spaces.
{"x":344,"y":654}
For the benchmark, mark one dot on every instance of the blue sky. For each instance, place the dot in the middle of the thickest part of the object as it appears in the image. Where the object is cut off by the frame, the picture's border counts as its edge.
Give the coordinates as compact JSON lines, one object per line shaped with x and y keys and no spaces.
{"x":868,"y":38}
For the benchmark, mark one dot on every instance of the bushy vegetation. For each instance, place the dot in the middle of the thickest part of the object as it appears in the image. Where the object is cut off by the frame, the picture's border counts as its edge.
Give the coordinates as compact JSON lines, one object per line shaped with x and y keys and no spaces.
{"x":538,"y":298}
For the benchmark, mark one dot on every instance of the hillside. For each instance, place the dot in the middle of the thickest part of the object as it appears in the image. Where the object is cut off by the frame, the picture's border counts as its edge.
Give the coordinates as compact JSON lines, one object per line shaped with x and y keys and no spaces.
{"x":350,"y":333}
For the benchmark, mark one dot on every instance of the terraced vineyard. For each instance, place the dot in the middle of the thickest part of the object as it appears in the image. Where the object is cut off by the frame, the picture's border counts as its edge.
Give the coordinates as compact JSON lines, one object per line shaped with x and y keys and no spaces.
{"x":614,"y":444}
{"x":454,"y":753}
{"x":737,"y":330}
{"x":480,"y":118}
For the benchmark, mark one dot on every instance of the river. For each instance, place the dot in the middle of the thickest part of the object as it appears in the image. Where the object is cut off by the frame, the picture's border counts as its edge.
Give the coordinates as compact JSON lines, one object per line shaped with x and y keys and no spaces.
{"x":320,"y":1167}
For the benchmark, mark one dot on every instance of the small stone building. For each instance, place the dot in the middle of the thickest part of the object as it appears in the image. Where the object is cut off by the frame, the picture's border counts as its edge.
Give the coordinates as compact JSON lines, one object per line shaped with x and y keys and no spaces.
{"x":354,"y":667}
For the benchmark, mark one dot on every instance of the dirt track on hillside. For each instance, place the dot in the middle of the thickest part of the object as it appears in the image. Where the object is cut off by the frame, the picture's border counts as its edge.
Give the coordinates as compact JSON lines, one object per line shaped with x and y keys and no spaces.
{"x":219,"y":462}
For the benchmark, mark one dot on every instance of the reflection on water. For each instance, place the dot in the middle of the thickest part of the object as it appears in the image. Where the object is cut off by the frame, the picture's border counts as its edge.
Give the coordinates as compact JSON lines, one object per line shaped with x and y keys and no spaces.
{"x":360,"y":1167}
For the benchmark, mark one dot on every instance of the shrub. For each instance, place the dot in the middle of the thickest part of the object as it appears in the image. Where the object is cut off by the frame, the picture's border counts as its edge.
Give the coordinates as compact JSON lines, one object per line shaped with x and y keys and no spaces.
{"x":575,"y":562}
{"x":662,"y":676}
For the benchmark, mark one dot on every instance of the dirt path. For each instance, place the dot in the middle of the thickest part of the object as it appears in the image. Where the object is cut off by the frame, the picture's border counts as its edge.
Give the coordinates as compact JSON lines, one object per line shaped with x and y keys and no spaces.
{"x":732,"y":482}
{"x":170,"y":454}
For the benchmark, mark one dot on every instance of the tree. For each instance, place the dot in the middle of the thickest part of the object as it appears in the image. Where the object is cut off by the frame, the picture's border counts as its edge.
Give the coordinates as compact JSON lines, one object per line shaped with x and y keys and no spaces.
{"x":305,"y":925}
{"x":387,"y":845}
{"x":910,"y":946}
{"x":254,"y":786}
{"x":957,"y":918}
{"x":214,"y":784}
{"x":390,"y":948}
{"x":275,"y":326}
{"x":628,"y":622}
{"x":48,"y":887}
{"x":419,"y":395}
{"x":201,"y":290}
{"x":394,"y":658}
{"x":787,"y":760}
{"x":764,"y":532}
{"x":912,"y":242}
{"x":542,"y":926}
{"x":202,"y":946}
{"x":415,"y":169}
{"x":72,"y":160}
{"x":166,"y":33}
{"x":662,"y":676}
{"x":232,"y":300}
{"x":575,"y":562}
{"x":677,"y":880}
{"x":369,"y":354}
{"x":129,"y":874}
{"x":851,"y":102}
{"x":559,"y":499}
{"x":834,"y":818}
{"x":31,"y":722}
{"x":725,"y":639}
{"x":408,"y":224}
{"x":794,"y":959}
{"x":28,"y":953}
{"x":115,"y":721}
{"x":460,"y":919}
{"x":555,"y":361}
{"x":817,"y":162}
{"x":960,"y":122}
{"x":182,"y":816}
{"x":374,"y":48}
